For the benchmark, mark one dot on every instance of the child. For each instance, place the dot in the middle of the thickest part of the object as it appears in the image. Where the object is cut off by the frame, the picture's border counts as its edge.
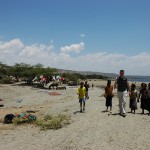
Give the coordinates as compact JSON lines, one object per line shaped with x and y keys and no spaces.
{"x":143,"y":95}
{"x":86,"y":85}
{"x":82,"y":93}
{"x":133,"y":96}
{"x":108,"y":95}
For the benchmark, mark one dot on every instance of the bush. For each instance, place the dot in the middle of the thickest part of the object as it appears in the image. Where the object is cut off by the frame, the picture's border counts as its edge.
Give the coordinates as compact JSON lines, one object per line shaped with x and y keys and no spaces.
{"x":53,"y":122}
{"x":5,"y":80}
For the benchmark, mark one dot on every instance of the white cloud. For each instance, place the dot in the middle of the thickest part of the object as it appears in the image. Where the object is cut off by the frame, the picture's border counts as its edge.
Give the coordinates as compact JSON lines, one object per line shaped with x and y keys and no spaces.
{"x":15,"y":51}
{"x":73,"y":48}
{"x":11,"y":46}
{"x":82,"y":35}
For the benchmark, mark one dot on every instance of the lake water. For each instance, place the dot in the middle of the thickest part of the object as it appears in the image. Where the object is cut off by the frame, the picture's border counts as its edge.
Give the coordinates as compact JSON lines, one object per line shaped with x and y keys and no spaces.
{"x":145,"y":79}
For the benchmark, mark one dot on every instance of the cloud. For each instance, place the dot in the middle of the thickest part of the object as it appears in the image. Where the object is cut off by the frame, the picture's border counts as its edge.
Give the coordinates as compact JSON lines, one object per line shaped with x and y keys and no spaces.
{"x":82,"y":35}
{"x":73,"y":48}
{"x":15,"y":51}
{"x":11,"y":46}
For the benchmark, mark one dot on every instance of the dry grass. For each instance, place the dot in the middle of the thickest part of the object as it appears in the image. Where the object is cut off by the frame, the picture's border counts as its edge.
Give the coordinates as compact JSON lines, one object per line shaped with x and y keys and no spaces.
{"x":53,"y":122}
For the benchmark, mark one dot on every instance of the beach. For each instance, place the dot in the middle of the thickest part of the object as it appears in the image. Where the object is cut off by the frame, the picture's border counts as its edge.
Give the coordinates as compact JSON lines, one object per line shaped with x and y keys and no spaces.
{"x":92,"y":130}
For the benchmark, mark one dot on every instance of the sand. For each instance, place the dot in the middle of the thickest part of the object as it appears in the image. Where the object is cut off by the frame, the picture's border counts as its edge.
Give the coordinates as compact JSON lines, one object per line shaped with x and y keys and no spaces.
{"x":92,"y":130}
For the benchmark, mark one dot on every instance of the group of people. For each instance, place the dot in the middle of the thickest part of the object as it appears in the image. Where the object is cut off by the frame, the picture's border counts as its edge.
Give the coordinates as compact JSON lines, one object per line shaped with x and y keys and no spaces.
{"x":123,"y":90}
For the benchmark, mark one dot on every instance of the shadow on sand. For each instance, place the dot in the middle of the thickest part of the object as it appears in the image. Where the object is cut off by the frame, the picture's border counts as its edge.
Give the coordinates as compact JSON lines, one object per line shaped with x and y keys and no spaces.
{"x":76,"y":112}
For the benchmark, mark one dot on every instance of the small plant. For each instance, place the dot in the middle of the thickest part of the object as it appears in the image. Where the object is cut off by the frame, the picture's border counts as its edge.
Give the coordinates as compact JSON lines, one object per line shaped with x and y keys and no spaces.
{"x":18,"y":121}
{"x":53,"y":122}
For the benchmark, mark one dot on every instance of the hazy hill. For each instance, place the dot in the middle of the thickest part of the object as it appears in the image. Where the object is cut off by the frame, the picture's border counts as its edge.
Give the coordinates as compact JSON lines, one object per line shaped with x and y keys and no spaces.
{"x":110,"y":75}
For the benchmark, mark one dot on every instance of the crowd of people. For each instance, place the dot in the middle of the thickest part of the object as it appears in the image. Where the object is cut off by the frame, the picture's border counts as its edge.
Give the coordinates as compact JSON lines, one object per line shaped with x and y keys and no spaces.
{"x":123,"y":90}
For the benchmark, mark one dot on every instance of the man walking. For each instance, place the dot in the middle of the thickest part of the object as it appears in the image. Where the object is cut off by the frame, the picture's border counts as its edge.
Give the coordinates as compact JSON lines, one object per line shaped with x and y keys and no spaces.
{"x":122,"y":85}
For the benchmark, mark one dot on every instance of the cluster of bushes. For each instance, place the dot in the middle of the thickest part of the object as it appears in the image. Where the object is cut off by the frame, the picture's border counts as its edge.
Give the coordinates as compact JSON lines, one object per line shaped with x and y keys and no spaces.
{"x":23,"y":70}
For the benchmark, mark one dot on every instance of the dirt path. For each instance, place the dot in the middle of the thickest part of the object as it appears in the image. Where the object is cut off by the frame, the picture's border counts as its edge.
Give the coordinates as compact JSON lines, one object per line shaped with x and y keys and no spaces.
{"x":92,"y":130}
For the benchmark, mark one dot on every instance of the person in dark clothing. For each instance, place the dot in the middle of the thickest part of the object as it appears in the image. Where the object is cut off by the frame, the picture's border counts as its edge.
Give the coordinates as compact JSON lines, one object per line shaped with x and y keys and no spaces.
{"x":86,"y":85}
{"x":122,"y":85}
{"x":108,"y":95}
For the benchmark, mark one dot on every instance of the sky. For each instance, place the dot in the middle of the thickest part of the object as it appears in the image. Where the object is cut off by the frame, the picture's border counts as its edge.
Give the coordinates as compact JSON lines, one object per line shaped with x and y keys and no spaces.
{"x":81,"y":35}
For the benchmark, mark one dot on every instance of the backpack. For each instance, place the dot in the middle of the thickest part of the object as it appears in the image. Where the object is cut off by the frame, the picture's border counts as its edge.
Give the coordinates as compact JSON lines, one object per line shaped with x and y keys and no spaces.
{"x":8,"y":118}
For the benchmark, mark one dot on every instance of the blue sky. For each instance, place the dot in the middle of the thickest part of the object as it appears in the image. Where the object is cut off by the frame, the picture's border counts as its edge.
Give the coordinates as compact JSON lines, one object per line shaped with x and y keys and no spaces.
{"x":89,"y":35}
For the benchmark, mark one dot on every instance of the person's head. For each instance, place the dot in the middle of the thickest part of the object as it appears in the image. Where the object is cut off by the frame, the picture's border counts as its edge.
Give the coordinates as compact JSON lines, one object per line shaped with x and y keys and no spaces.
{"x":144,"y":86}
{"x":109,"y":82}
{"x":121,"y":73}
{"x":85,"y":81}
{"x":133,"y":86}
{"x":81,"y":84}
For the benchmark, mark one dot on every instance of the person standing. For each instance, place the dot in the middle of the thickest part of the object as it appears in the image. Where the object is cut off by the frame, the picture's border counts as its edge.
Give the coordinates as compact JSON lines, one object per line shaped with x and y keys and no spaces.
{"x":122,"y":85}
{"x":92,"y":85}
{"x":133,"y":94}
{"x":143,"y":95}
{"x":81,"y":93}
{"x":108,"y":95}
{"x":86,"y":85}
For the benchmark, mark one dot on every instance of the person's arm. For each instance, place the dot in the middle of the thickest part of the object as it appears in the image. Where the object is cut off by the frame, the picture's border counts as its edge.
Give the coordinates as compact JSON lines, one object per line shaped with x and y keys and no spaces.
{"x":105,"y":94}
{"x":139,"y":95}
{"x":78,"y":92}
{"x":128,"y":87}
{"x":115,"y":84}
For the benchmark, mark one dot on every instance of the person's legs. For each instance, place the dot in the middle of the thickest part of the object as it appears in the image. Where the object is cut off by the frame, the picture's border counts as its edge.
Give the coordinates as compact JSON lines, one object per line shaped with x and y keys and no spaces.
{"x":83,"y":105}
{"x":110,"y":103}
{"x":80,"y":101}
{"x":124,"y":99}
{"x":120,"y":102}
{"x":110,"y":108}
{"x":87,"y":95}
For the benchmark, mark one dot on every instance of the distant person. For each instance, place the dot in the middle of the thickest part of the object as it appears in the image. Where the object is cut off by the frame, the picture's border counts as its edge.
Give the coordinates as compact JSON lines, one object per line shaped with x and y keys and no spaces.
{"x":108,"y":95}
{"x":122,"y":85}
{"x":92,"y":85}
{"x":143,"y":95}
{"x":86,"y":85}
{"x":81,"y":93}
{"x":133,"y":97}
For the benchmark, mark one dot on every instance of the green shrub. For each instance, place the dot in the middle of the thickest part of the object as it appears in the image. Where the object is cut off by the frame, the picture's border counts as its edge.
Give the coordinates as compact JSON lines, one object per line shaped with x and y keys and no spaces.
{"x":5,"y":80}
{"x":53,"y":122}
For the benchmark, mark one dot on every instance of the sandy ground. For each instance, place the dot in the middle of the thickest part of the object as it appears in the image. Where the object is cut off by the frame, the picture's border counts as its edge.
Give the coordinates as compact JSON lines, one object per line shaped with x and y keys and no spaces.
{"x":92,"y":130}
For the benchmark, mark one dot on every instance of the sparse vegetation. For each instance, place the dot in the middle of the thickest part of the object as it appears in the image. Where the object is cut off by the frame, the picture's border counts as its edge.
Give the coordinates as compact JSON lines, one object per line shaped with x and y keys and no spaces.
{"x":53,"y":122}
{"x":49,"y":121}
{"x":5,"y":80}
